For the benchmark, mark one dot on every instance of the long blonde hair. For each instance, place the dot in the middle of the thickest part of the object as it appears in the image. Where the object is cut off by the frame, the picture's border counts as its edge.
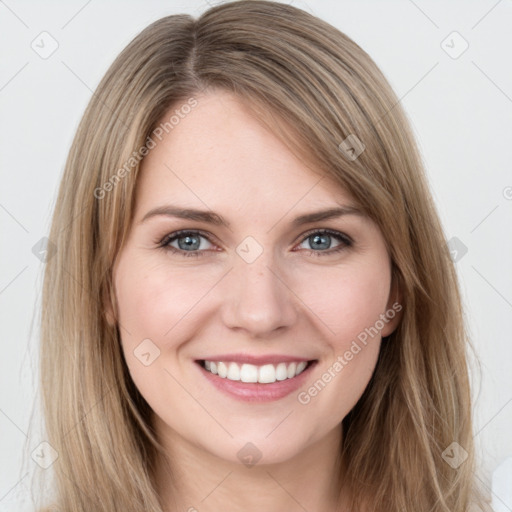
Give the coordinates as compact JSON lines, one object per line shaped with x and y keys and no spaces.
{"x":300,"y":73}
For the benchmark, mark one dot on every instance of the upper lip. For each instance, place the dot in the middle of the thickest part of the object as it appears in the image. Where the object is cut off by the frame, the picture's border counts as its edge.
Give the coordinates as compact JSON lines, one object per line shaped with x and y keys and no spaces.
{"x":257,"y":360}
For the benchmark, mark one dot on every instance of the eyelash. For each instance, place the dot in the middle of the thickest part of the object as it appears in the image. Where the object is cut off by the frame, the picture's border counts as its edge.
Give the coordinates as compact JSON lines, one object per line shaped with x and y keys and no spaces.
{"x":341,"y":237}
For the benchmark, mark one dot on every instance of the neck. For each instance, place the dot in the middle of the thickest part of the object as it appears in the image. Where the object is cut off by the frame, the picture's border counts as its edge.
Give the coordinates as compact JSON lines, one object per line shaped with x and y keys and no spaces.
{"x":194,"y":480}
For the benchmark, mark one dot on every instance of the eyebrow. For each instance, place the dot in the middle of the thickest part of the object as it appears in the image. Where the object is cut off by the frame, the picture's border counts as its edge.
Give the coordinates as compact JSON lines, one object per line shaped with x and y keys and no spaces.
{"x":211,"y":217}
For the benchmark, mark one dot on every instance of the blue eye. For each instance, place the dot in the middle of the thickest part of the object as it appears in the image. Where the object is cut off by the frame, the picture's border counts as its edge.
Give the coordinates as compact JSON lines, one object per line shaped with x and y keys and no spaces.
{"x":320,"y":241}
{"x":195,"y":243}
{"x":189,"y":243}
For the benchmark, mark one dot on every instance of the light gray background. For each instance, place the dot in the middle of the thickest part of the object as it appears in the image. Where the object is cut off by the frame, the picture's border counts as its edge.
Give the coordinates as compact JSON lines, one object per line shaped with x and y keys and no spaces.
{"x":460,"y":109}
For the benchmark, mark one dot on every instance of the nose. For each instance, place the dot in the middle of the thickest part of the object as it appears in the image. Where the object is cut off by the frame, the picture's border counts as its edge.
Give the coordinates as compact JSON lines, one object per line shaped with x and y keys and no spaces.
{"x":257,"y":299}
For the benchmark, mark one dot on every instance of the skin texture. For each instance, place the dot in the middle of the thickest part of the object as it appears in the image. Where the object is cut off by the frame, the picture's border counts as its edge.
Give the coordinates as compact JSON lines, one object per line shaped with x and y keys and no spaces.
{"x":287,"y":301}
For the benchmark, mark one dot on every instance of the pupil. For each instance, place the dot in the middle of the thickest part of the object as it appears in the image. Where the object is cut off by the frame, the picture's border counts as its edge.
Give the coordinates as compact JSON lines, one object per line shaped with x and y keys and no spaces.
{"x":320,"y":241}
{"x":189,"y":242}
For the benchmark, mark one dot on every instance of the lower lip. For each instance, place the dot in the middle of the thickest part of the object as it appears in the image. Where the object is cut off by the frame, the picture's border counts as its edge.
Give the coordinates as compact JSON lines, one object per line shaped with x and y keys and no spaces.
{"x":257,"y":392}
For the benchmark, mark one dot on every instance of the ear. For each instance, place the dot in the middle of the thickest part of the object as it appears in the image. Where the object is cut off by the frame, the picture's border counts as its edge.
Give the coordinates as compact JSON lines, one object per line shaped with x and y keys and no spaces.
{"x":394,"y":307}
{"x":108,"y":305}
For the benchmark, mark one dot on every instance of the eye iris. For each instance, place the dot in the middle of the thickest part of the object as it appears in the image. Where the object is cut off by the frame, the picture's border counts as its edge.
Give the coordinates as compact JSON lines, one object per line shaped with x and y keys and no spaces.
{"x":189,"y":242}
{"x":320,"y":241}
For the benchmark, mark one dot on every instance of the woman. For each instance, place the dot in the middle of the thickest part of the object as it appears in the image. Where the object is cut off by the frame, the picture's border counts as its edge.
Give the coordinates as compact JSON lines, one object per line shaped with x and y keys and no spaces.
{"x":252,"y":305}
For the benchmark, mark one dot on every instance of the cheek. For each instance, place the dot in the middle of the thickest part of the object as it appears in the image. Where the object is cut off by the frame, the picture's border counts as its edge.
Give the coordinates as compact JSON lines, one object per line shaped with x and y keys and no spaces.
{"x":152,"y":308}
{"x":347,"y":300}
{"x":152,"y":301}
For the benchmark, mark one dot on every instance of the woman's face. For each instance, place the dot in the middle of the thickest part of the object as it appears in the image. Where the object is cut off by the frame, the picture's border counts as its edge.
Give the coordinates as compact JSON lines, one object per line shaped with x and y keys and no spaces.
{"x":231,"y":261}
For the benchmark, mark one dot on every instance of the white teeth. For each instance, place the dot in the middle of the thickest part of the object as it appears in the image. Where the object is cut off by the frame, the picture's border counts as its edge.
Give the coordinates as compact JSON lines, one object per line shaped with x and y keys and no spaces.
{"x":281,"y":371}
{"x":300,"y":367}
{"x":222,"y":370}
{"x":265,"y":374}
{"x":249,"y":373}
{"x":233,"y":372}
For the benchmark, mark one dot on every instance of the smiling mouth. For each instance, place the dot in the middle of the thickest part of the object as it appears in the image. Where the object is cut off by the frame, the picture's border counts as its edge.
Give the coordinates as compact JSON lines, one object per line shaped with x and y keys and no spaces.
{"x":250,"y":373}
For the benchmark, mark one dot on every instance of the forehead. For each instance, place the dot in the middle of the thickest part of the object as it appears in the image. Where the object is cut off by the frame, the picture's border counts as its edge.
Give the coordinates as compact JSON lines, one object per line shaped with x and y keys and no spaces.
{"x":220,"y":152}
